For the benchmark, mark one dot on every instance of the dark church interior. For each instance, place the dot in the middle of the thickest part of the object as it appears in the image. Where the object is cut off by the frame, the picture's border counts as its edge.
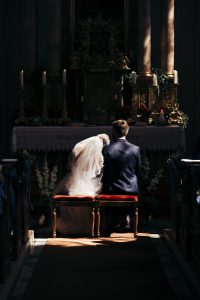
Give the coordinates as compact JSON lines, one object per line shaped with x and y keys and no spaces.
{"x":69,"y":69}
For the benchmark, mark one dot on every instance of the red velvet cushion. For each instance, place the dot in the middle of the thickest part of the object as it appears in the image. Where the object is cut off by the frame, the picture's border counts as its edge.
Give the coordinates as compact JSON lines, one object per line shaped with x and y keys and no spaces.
{"x":134,"y":198}
{"x":74,"y":197}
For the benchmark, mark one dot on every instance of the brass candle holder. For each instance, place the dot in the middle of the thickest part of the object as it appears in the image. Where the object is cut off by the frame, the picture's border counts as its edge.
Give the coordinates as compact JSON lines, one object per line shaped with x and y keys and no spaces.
{"x":64,"y":119}
{"x":45,"y":118}
{"x":175,"y":93}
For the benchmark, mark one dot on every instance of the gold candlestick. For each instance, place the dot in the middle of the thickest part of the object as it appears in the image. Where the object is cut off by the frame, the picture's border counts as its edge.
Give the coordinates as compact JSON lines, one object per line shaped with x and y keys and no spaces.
{"x":64,"y":119}
{"x":176,"y":93}
{"x":45,"y":114}
{"x":45,"y":118}
{"x":22,"y":112}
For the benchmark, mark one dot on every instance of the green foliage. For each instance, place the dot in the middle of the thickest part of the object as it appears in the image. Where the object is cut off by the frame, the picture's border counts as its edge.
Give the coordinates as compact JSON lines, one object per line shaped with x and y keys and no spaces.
{"x":164,"y":83}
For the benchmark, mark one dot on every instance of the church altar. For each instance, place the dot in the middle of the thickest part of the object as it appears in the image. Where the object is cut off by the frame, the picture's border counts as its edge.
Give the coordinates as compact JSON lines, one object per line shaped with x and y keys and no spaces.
{"x":101,"y":85}
{"x":59,"y":138}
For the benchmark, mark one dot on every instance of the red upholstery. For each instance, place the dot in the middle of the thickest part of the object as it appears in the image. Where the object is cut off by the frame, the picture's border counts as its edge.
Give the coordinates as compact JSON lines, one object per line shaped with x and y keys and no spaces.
{"x":74,"y":198}
{"x":105,"y":197}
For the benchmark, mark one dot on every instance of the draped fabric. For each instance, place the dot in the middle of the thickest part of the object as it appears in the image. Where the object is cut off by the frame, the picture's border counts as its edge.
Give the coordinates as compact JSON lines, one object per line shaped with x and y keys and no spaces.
{"x":64,"y":138}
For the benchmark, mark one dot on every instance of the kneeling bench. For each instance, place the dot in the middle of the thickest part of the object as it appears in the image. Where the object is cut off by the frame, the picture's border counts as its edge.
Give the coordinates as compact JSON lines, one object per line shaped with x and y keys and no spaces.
{"x":117,"y":201}
{"x":65,"y":200}
{"x":95,"y":203}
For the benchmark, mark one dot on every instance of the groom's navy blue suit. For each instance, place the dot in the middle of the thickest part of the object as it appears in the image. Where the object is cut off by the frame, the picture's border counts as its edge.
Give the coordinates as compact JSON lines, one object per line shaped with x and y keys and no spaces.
{"x":121,"y":168}
{"x":120,"y":176}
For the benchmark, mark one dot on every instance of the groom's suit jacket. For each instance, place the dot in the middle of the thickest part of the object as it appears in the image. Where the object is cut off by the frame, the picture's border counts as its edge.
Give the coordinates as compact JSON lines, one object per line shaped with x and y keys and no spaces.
{"x":121,"y":168}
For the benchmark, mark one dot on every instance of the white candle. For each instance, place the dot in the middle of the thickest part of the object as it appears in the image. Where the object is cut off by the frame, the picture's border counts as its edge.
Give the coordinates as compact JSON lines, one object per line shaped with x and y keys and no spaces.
{"x":82,"y":99}
{"x":175,"y":77}
{"x":133,"y":74}
{"x":64,"y":79}
{"x":22,"y":78}
{"x":44,"y":78}
{"x":155,"y":80}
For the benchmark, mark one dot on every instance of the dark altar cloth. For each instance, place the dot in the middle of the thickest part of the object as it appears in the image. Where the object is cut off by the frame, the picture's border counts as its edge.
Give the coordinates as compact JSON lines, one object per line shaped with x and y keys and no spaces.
{"x":64,"y":138}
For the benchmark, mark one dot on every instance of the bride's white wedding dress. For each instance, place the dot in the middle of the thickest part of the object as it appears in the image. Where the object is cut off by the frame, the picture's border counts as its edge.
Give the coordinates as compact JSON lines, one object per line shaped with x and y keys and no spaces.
{"x":84,"y":178}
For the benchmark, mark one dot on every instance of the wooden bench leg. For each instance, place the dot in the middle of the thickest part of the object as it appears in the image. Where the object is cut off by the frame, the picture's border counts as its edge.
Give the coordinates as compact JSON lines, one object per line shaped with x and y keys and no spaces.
{"x":98,"y":217}
{"x":53,"y":212}
{"x":135,"y":220}
{"x":93,"y":221}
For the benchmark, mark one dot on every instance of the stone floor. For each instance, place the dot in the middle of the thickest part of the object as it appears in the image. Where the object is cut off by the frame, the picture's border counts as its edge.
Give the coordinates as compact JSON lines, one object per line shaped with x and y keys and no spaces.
{"x":183,"y":282}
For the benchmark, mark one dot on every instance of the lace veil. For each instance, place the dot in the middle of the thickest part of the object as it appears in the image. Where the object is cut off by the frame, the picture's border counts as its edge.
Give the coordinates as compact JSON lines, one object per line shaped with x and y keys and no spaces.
{"x":86,"y":164}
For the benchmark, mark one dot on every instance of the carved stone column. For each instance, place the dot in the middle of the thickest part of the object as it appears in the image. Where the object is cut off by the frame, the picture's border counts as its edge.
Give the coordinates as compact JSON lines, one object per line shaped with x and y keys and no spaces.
{"x":54,"y":39}
{"x":167,"y":42}
{"x":29,"y":36}
{"x":144,"y":37}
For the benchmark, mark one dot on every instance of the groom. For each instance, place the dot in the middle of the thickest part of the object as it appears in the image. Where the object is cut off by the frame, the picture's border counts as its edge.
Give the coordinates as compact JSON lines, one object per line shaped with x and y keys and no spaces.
{"x":121,"y":173}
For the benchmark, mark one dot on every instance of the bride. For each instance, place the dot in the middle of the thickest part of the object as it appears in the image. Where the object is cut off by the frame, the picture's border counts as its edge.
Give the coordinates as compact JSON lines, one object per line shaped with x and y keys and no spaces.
{"x":84,"y":178}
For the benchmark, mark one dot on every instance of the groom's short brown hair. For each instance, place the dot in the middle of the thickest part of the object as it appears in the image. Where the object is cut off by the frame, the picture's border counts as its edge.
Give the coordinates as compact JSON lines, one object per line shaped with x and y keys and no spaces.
{"x":120,"y":127}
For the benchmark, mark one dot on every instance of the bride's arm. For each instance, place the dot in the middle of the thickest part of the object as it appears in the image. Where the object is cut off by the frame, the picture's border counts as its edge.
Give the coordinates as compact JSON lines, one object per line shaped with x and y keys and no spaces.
{"x":99,"y":164}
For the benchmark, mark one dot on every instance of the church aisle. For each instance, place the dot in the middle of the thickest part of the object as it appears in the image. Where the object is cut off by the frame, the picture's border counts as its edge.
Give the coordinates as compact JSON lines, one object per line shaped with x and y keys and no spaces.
{"x":106,"y":268}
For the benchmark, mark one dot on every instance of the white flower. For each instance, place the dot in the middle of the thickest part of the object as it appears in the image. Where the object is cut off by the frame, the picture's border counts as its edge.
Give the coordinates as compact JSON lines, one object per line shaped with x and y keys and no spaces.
{"x":46,"y":179}
{"x":155,"y":181}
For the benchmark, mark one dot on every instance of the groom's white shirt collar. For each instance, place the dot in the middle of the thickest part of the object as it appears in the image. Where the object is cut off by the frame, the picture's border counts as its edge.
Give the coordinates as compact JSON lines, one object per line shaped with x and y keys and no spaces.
{"x":122,"y":138}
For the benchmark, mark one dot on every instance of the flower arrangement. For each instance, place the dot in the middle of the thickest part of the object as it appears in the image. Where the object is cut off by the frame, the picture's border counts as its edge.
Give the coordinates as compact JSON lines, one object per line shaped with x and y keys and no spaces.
{"x":156,"y":103}
{"x":155,"y":181}
{"x":150,"y":183}
{"x":145,"y":168}
{"x":164,"y":83}
{"x":172,"y":112}
{"x":148,"y":202}
{"x":176,"y":116}
{"x":174,"y":165}
{"x":46,"y":180}
{"x":174,"y":159}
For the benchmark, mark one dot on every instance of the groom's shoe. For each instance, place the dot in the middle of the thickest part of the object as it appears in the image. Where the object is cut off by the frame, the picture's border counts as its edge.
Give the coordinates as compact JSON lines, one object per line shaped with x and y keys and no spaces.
{"x":124,"y":225}
{"x":122,"y":228}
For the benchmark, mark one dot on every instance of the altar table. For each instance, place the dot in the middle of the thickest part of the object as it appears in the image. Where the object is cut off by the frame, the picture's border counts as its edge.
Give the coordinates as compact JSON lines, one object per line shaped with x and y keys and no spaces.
{"x":64,"y":138}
